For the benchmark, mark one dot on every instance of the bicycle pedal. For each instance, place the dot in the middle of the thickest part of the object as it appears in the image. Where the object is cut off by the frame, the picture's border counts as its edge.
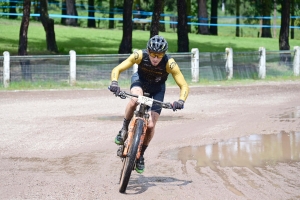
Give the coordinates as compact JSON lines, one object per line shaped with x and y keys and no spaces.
{"x":120,"y":151}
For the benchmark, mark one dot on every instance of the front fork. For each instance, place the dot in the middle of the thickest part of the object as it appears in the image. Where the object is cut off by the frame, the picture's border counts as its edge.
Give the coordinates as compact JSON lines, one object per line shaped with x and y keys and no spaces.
{"x":124,"y":149}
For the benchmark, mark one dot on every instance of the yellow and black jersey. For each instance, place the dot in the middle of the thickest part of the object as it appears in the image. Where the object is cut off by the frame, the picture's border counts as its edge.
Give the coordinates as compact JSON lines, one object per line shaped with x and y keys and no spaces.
{"x":153,"y":74}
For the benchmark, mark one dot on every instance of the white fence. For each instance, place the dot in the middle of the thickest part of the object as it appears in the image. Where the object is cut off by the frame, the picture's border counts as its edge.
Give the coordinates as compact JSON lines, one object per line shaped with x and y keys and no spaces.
{"x":196,"y":60}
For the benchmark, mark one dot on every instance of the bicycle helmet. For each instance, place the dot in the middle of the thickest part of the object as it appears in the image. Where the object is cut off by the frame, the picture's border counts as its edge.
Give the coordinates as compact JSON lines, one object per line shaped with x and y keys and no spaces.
{"x":157,"y":44}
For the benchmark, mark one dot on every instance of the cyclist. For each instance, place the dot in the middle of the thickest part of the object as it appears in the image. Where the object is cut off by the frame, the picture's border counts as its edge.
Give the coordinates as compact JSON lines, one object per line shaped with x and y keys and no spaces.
{"x":154,"y":66}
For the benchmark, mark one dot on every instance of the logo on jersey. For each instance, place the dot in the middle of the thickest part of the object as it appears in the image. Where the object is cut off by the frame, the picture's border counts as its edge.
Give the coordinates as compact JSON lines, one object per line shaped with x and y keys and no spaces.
{"x":173,"y":64}
{"x":136,"y":55}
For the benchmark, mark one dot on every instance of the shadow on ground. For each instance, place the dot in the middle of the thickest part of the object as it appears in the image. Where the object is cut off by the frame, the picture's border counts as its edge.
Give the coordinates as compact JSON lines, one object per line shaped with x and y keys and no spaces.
{"x":139,"y":184}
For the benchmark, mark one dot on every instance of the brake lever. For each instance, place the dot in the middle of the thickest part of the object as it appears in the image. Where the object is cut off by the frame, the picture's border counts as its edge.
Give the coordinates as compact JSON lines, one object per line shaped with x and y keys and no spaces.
{"x":167,"y":105}
{"x":121,"y":95}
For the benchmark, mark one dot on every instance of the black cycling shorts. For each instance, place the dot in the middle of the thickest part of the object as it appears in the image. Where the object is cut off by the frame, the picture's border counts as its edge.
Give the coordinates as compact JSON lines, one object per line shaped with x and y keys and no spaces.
{"x":156,"y":91}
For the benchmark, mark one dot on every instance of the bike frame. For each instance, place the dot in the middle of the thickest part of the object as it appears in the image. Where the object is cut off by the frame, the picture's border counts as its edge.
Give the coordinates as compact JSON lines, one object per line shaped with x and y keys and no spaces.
{"x":130,"y":151}
{"x":141,"y":112}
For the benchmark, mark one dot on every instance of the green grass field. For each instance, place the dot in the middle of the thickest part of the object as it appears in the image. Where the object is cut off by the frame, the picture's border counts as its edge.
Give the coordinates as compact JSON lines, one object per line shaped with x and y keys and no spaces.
{"x":106,"y":41}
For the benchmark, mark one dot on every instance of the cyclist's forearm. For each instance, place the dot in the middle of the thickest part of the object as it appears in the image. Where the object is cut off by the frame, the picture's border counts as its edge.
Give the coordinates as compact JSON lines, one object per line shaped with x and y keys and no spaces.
{"x":184,"y":88}
{"x":173,"y":68}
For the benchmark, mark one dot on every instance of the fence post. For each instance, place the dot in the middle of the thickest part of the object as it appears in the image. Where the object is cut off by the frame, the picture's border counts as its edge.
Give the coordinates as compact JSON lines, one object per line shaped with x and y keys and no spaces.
{"x":195,"y":65}
{"x":229,"y":63}
{"x":72,"y":67}
{"x":6,"y":69}
{"x":297,"y":60}
{"x":262,"y":63}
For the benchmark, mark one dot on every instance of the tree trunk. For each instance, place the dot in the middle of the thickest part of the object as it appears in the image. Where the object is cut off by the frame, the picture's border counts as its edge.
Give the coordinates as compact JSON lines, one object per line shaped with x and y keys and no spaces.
{"x":71,"y":10}
{"x":63,"y":11}
{"x":154,"y":30}
{"x":162,"y":26}
{"x":111,"y":14}
{"x":48,"y":27}
{"x":23,"y":41}
{"x":36,"y":9}
{"x":237,"y":13}
{"x":182,"y":29}
{"x":91,"y":11}
{"x":274,"y":19}
{"x":203,"y":18}
{"x":284,"y":28}
{"x":293,"y":19}
{"x":12,"y":9}
{"x":189,"y":13}
{"x":284,"y":32}
{"x":214,"y":17}
{"x":266,"y":12}
{"x":126,"y":43}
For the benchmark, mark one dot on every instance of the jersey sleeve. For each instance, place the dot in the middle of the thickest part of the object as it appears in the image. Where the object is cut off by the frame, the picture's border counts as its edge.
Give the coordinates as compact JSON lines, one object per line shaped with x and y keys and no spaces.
{"x":134,"y":58}
{"x":173,"y":69}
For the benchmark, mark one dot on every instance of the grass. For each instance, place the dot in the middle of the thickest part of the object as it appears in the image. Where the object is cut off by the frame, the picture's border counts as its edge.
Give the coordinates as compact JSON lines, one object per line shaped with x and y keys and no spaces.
{"x":107,"y":41}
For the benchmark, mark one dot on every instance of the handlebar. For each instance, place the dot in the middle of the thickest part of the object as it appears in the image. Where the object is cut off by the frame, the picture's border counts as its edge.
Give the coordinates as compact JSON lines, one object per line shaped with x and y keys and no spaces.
{"x":145,"y":100}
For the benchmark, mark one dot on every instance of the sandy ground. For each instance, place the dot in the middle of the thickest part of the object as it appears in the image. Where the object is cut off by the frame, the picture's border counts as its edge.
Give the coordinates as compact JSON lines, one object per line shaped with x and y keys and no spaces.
{"x":59,"y":145}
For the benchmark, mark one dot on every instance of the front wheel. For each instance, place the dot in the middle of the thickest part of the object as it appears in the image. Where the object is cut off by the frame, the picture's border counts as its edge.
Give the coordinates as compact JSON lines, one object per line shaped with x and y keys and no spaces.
{"x":129,"y":161}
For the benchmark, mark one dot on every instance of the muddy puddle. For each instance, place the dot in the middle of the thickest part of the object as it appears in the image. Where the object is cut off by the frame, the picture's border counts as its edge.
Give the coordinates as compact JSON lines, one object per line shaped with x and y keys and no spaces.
{"x":291,"y":114}
{"x":249,"y":151}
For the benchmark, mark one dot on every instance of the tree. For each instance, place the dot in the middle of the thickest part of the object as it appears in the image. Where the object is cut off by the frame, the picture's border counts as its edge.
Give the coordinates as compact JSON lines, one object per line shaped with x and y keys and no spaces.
{"x":284,"y":28}
{"x":63,"y":11}
{"x":182,"y":28}
{"x":111,"y":24}
{"x":23,"y":41}
{"x":126,"y":43}
{"x":262,"y":8}
{"x":189,"y":13}
{"x":12,"y":9}
{"x":48,"y":24}
{"x":237,"y":13}
{"x":214,"y":17}
{"x":158,"y":7}
{"x":72,"y":11}
{"x":162,"y":27}
{"x":202,"y":18}
{"x":284,"y":32}
{"x":266,"y":8}
{"x":293,"y":19}
{"x":91,"y":13}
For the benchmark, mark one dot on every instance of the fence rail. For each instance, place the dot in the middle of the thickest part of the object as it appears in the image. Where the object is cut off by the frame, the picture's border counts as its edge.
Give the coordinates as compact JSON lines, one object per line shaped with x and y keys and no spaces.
{"x":195,"y":66}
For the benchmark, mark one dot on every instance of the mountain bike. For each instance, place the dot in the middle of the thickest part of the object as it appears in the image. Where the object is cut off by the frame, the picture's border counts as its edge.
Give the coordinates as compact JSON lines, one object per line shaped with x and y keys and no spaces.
{"x":131,"y":149}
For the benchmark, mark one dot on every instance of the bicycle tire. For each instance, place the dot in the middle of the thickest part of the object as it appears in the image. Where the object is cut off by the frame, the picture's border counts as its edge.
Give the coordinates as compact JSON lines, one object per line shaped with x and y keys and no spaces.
{"x":129,"y":161}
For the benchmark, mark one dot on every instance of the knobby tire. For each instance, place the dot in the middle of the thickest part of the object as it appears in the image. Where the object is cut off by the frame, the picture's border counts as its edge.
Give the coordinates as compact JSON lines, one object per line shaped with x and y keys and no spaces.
{"x":129,"y":161}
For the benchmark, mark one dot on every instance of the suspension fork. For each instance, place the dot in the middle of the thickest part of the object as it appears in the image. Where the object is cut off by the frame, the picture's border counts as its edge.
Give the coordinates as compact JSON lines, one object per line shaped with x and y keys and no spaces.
{"x":131,"y":131}
{"x":145,"y":126}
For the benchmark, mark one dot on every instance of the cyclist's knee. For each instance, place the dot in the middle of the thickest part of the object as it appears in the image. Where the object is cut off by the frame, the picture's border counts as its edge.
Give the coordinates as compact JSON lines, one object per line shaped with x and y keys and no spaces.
{"x":136,"y":90}
{"x":150,"y":125}
{"x":132,"y":103}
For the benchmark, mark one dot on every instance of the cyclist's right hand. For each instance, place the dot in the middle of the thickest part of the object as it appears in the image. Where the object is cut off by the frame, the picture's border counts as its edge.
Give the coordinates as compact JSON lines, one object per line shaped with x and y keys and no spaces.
{"x":114,"y":87}
{"x":178,"y":105}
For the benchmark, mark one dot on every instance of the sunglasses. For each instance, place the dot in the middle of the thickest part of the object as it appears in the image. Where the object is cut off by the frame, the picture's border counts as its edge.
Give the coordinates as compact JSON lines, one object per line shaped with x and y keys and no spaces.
{"x":159,"y":55}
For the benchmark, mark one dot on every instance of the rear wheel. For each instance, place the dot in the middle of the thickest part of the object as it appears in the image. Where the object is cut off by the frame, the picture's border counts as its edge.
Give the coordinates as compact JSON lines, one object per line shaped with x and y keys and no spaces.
{"x":129,"y":161}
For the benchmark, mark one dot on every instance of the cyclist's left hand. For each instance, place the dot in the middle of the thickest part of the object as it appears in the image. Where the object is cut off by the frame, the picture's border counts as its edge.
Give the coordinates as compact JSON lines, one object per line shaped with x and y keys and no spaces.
{"x":178,"y":105}
{"x":114,"y":87}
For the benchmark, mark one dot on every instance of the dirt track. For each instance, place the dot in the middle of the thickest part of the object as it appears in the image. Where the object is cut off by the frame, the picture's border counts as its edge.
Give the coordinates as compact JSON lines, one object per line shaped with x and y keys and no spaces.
{"x":59,"y":145}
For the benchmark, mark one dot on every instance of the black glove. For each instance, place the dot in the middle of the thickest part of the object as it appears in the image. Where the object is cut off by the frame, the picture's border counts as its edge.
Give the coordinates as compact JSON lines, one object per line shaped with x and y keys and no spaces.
{"x":114,"y":87}
{"x":178,"y":105}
